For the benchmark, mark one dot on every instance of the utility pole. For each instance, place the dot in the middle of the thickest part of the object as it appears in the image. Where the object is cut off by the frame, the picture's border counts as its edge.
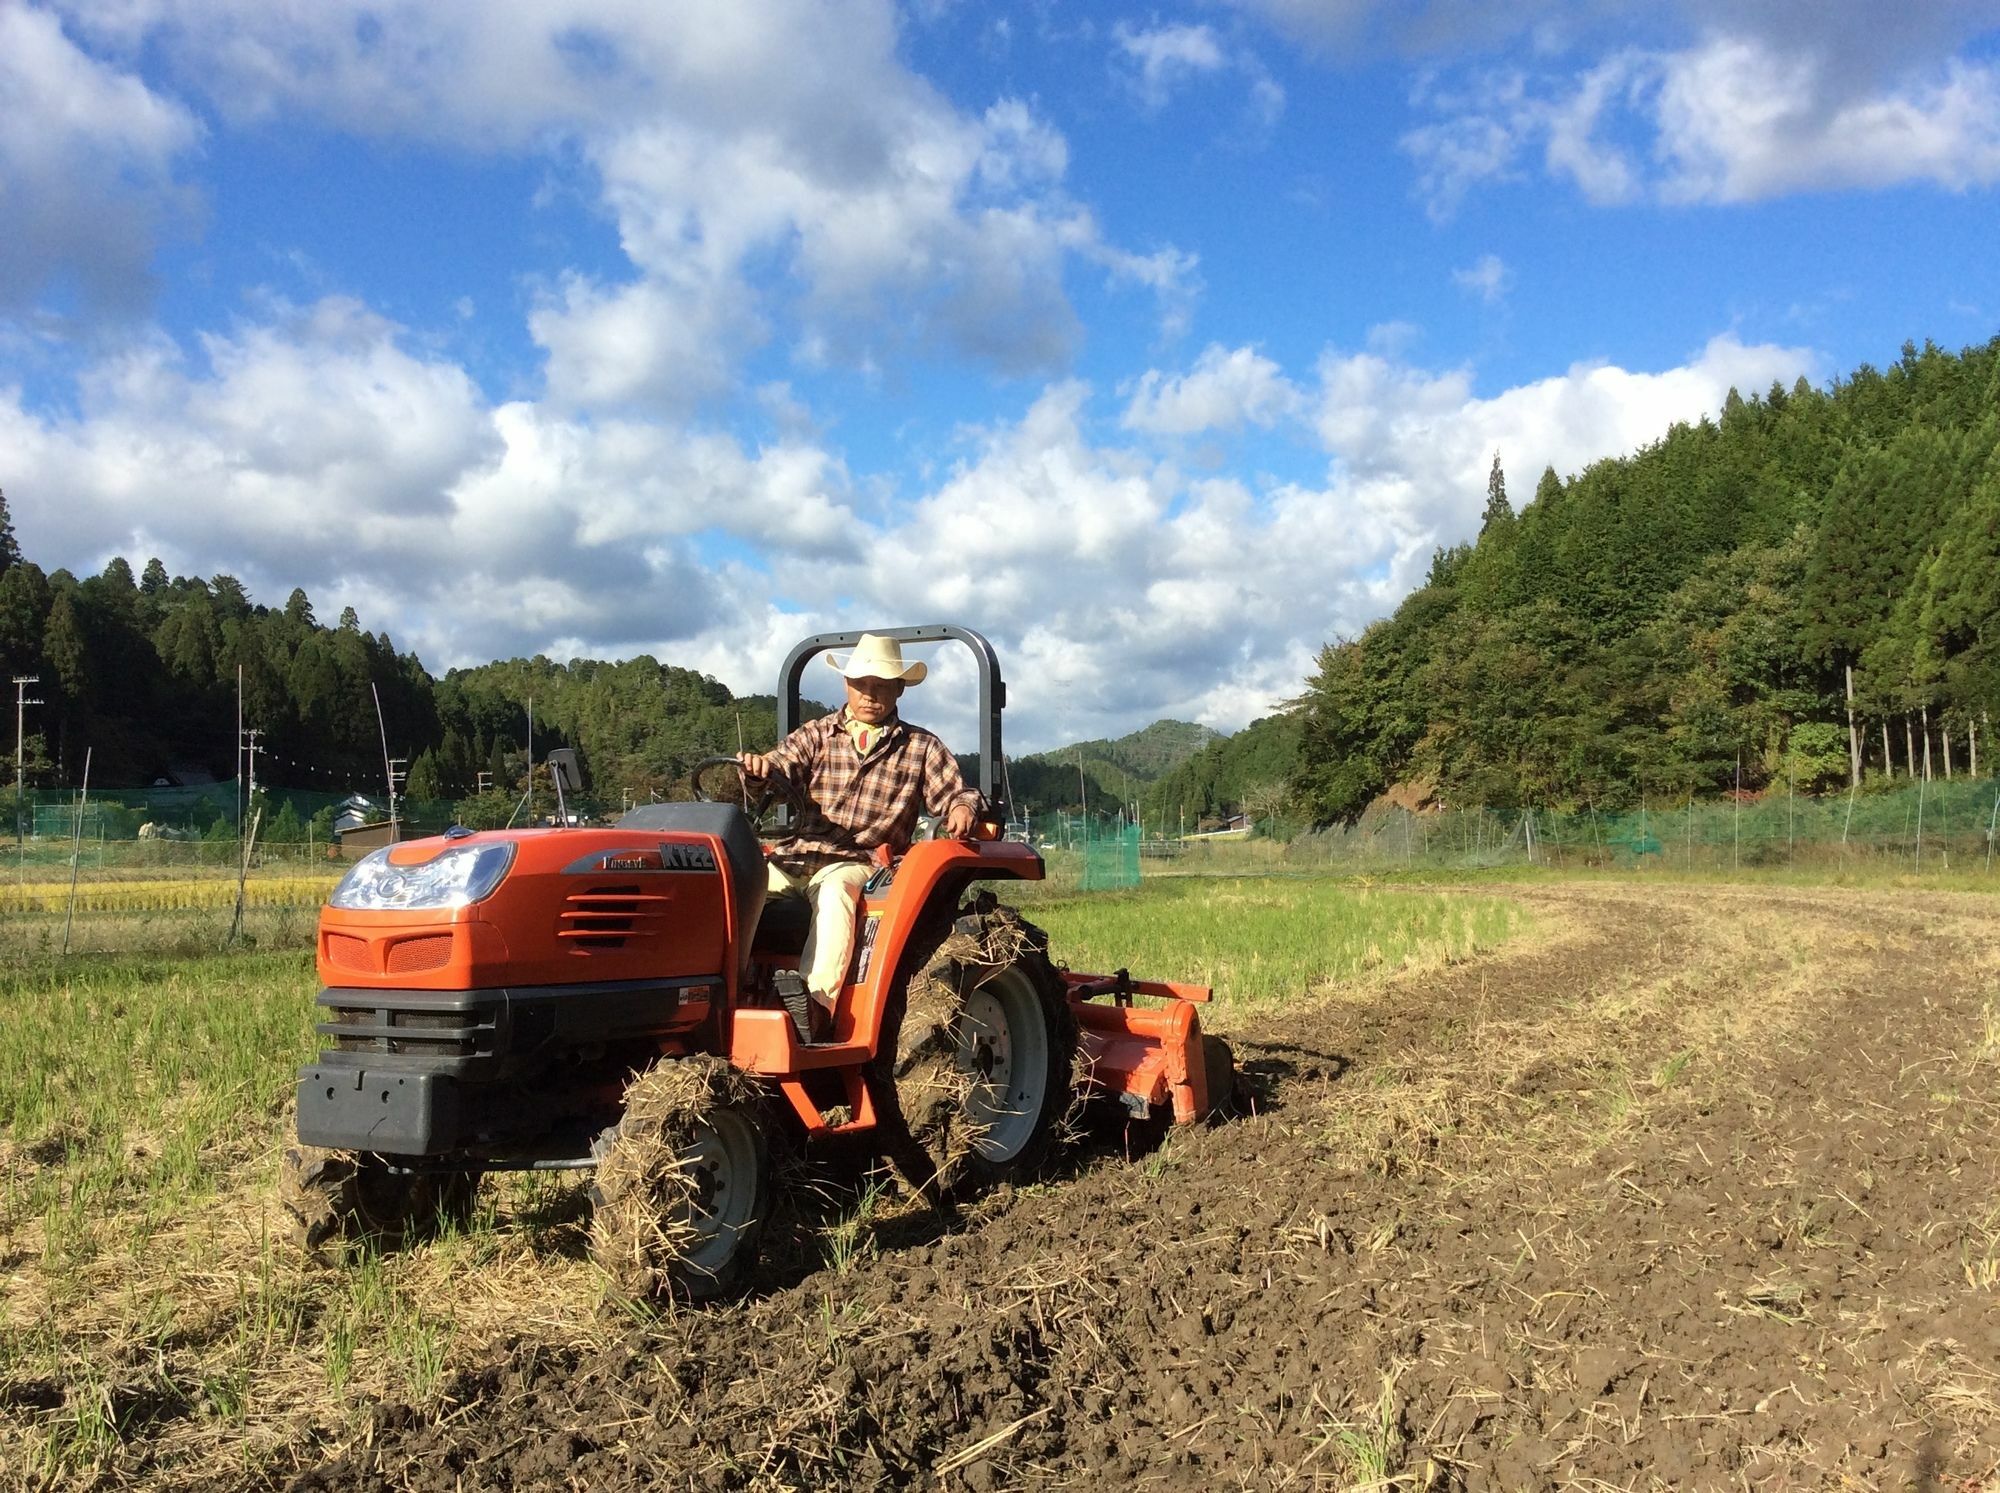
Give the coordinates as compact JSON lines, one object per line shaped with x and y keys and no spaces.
{"x":21,"y":702}
{"x":246,"y":749}
{"x":252,"y":751}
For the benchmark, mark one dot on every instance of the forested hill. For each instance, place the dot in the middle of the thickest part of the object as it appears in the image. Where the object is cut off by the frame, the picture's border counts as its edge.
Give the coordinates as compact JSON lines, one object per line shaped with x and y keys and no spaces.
{"x":143,"y":671}
{"x":1101,"y":772}
{"x":1643,"y":626}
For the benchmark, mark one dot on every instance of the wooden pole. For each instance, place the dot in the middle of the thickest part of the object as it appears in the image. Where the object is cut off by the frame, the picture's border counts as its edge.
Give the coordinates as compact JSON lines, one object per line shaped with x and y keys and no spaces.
{"x":1921,"y":783}
{"x":1853,"y":732}
{"x":243,"y":875}
{"x":76,"y":852}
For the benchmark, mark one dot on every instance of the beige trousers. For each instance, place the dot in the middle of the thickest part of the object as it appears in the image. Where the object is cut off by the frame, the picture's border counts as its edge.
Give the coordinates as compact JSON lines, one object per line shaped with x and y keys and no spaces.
{"x":835,"y":891}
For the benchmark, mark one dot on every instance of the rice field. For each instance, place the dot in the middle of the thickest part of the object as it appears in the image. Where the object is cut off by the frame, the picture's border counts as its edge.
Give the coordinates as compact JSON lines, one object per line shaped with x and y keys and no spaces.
{"x":155,"y":1329}
{"x":1264,"y":941}
{"x":160,"y":894}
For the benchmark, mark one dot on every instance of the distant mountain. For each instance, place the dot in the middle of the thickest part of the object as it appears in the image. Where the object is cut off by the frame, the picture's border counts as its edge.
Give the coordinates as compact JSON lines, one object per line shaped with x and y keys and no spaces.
{"x":1146,"y":753}
{"x":1248,"y":772}
{"x":1113,"y":772}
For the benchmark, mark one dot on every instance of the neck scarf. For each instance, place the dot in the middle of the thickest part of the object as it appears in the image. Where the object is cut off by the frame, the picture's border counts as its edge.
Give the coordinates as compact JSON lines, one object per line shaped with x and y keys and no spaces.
{"x":866,"y":737}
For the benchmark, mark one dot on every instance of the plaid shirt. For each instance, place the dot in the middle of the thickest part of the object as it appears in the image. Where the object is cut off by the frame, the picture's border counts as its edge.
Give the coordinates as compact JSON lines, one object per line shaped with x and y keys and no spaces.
{"x":847,"y":804}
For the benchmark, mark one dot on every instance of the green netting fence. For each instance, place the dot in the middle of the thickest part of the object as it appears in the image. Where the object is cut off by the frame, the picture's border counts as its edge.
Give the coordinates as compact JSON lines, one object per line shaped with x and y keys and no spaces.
{"x":1917,"y":826}
{"x":191,"y":826}
{"x":1111,"y":857}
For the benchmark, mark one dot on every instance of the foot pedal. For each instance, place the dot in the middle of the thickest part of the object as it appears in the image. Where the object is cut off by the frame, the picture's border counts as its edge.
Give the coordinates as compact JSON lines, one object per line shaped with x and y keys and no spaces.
{"x":791,"y":988}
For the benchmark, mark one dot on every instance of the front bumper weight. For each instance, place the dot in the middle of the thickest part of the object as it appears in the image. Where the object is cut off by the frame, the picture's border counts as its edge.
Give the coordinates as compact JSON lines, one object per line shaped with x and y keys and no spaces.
{"x":393,"y":1114}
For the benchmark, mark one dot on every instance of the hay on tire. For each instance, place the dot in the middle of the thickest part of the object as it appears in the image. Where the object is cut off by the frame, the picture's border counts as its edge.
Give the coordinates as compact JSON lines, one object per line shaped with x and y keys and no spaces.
{"x":937,"y":1103}
{"x":683,"y":1188}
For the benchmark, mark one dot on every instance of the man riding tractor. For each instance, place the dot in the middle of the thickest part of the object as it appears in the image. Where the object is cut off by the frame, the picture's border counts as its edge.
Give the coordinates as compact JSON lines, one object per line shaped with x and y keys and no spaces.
{"x":859,"y":778}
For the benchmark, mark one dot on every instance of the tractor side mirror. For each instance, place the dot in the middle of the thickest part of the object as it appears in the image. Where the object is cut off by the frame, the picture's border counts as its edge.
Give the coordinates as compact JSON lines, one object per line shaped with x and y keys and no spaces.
{"x":563,"y":767}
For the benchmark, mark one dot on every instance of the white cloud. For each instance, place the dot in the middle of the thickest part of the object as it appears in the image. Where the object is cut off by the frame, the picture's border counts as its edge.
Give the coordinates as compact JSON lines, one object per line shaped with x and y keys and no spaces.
{"x":1119,"y":590}
{"x":1478,"y":134}
{"x":1603,"y":172}
{"x":1487,"y":277}
{"x":1158,"y":62}
{"x":1733,"y":118}
{"x":1426,"y":441}
{"x":1862,"y":39}
{"x":664,"y":344}
{"x":314,"y":447}
{"x":1226,"y":389}
{"x":1739,"y":122}
{"x":743,"y":151}
{"x":87,"y":161}
{"x":1163,"y":57}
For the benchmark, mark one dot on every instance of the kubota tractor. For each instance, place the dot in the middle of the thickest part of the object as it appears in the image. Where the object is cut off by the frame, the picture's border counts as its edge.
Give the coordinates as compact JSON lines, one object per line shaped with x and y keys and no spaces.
{"x":569,"y":998}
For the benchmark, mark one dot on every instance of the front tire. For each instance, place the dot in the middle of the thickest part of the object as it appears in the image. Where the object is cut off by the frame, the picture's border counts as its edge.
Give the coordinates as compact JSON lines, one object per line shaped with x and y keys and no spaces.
{"x":973,"y":1079}
{"x":683,"y":1188}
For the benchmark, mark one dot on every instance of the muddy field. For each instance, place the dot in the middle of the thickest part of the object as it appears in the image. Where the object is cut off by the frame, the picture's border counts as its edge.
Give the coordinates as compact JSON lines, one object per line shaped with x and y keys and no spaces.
{"x":1695,"y":1189}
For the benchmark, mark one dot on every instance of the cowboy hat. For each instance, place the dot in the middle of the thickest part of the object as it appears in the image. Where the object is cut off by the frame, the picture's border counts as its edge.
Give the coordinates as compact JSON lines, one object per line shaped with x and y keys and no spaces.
{"x":876,"y":657}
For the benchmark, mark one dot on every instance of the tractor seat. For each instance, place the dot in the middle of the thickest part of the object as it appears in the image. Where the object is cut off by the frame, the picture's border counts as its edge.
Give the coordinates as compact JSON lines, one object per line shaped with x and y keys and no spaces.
{"x":730,"y":825}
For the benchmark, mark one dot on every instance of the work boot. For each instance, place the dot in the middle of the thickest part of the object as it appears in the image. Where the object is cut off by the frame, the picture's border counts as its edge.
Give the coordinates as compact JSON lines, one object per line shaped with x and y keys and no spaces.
{"x":809,"y":1018}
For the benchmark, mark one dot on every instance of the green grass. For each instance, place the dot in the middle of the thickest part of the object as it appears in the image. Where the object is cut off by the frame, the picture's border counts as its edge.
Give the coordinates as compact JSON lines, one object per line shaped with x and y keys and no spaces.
{"x":125,"y":1077}
{"x":1262,"y":941}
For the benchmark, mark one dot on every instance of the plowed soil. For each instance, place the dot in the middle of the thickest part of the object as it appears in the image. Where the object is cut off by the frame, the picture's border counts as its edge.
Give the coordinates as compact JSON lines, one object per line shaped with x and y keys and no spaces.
{"x":1696,"y":1189}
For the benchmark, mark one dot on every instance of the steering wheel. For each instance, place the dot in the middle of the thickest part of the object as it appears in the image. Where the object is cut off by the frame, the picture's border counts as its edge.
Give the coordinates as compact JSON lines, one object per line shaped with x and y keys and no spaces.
{"x":756,"y":803}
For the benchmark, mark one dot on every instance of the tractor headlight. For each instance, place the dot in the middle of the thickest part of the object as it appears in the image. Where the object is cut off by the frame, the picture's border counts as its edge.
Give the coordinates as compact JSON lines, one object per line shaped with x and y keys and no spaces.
{"x":452,"y":878}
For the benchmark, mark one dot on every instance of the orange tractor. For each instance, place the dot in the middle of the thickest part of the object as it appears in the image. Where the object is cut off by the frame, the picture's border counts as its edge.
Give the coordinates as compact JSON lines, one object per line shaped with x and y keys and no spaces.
{"x":570,"y":998}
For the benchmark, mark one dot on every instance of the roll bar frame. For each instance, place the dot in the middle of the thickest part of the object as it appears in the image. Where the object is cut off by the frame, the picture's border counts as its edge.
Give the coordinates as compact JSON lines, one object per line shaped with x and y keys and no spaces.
{"x":992,"y":692}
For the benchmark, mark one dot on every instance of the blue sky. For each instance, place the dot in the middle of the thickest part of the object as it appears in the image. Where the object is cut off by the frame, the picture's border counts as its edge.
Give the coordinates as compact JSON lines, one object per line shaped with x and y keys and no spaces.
{"x":1162,"y":344}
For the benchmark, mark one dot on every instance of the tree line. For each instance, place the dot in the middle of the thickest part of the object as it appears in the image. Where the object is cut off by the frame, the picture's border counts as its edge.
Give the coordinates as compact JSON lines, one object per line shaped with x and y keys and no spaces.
{"x":144,"y":671}
{"x":1805,"y":590}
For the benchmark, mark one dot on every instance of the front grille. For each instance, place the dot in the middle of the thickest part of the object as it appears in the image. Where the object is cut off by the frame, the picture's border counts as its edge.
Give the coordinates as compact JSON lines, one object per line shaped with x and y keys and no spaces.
{"x":607,"y":917}
{"x":348,"y":952}
{"x":413,"y":1032}
{"x":431,"y":951}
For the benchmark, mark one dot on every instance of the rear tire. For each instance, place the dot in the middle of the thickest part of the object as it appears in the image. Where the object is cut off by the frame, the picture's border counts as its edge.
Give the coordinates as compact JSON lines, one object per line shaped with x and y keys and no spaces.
{"x":973,"y":1079}
{"x":683,"y":1188}
{"x":354,"y":1196}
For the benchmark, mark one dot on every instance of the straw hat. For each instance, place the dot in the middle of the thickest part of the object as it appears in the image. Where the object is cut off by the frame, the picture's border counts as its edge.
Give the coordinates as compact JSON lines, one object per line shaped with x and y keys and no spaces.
{"x":877,"y":658}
